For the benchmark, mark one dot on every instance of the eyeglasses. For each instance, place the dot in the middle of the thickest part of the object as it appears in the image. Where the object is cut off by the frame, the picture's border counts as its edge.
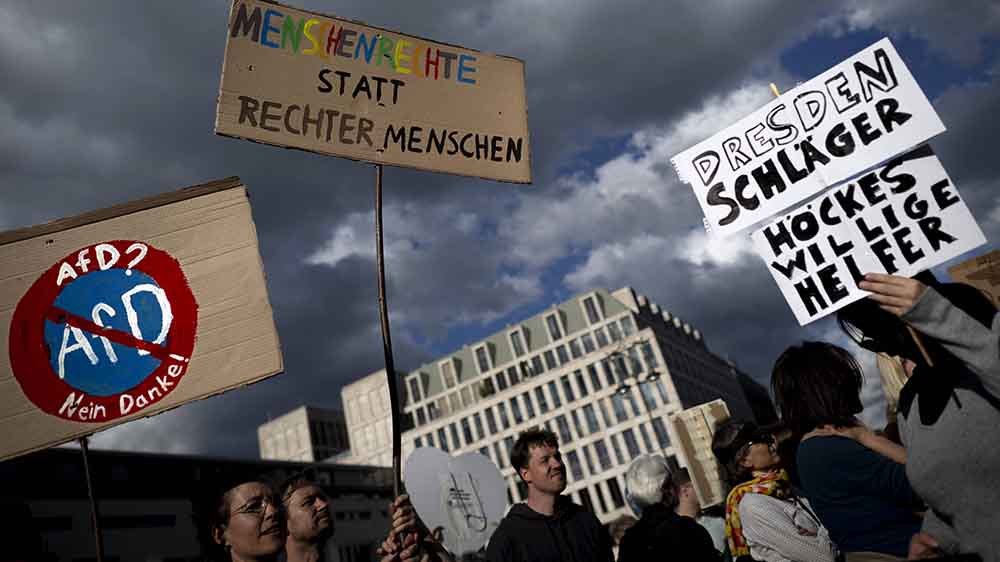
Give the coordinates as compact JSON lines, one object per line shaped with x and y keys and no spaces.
{"x":258,"y":506}
{"x":757,"y":438}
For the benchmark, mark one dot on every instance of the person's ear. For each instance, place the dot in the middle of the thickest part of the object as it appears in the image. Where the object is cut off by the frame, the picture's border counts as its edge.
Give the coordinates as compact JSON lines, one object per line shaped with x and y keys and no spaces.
{"x":219,"y":534}
{"x":524,"y":475}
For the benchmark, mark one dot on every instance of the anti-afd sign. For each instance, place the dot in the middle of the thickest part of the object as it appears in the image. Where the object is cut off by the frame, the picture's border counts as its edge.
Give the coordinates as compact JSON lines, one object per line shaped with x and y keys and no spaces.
{"x":320,"y":83}
{"x":900,"y":219}
{"x":129,"y":311}
{"x":850,"y":118}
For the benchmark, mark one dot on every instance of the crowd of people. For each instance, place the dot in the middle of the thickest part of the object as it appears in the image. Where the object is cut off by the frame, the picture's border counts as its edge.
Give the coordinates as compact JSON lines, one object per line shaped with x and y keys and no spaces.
{"x":819,"y":486}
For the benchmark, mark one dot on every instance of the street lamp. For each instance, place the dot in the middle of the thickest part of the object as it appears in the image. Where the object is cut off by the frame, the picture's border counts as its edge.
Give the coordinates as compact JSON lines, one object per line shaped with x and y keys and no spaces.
{"x":625,"y":386}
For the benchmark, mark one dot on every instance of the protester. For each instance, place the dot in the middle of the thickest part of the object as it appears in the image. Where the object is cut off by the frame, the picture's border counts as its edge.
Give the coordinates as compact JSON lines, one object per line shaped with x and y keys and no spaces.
{"x":764,"y":518}
{"x":548,"y":526}
{"x":948,"y":408}
{"x":307,"y":516}
{"x":409,"y":539}
{"x":241,"y":523}
{"x":857,"y":487}
{"x":666,"y":528}
{"x":617,"y":529}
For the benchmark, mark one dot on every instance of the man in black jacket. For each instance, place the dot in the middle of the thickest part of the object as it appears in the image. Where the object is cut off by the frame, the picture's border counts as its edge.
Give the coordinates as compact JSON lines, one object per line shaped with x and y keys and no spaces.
{"x":663,"y":532}
{"x":548,"y":526}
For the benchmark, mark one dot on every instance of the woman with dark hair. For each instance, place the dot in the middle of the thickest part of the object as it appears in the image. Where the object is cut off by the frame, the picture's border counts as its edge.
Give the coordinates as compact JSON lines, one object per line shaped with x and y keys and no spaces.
{"x":241,"y":522}
{"x":856,"y":481}
{"x":948,"y":408}
{"x":764,"y":518}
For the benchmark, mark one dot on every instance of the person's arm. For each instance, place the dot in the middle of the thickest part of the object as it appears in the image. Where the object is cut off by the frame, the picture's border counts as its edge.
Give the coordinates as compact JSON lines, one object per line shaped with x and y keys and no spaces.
{"x":765,"y":522}
{"x":976,"y":345}
{"x":500,"y":549}
{"x":942,"y":534}
{"x":867,"y":438}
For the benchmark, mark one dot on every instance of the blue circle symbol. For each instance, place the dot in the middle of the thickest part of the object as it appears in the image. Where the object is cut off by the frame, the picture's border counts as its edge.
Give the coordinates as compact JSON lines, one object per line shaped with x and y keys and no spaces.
{"x":121,"y":300}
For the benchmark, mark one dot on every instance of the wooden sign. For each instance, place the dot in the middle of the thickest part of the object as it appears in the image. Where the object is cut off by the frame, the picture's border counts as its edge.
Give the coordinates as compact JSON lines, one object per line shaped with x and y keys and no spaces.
{"x":320,"y":83}
{"x":982,"y":272}
{"x":129,"y":311}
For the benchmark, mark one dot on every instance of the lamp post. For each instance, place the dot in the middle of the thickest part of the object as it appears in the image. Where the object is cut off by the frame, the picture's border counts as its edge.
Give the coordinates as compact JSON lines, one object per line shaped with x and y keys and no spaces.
{"x":624,"y":387}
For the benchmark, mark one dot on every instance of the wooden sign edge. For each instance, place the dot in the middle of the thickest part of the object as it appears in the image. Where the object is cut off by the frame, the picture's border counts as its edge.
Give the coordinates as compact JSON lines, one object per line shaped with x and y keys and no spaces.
{"x":119,"y":210}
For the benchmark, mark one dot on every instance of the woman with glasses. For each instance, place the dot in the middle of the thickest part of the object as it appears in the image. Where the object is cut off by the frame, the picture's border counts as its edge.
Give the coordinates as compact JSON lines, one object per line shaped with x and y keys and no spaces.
{"x":241,"y":522}
{"x":855,"y":480}
{"x":764,"y":518}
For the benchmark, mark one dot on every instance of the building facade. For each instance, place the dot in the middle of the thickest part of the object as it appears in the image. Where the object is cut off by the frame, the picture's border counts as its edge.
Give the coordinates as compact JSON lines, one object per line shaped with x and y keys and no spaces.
{"x":145,"y":502}
{"x":602,"y":370}
{"x":306,"y":434}
{"x":369,"y":421}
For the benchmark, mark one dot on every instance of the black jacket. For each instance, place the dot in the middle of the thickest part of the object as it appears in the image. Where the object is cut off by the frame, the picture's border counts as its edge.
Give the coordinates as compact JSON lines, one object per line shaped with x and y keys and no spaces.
{"x":572,"y":534}
{"x":661,"y":534}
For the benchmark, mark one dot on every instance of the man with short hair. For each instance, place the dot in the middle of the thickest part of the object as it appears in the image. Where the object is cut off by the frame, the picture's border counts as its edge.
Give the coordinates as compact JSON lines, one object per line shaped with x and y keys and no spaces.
{"x":307,"y":515}
{"x":548,"y":526}
{"x":668,"y":504}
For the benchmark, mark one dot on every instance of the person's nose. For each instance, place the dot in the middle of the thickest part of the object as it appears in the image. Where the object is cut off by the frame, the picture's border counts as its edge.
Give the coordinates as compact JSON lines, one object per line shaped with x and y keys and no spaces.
{"x":271,"y":510}
{"x":322,"y":504}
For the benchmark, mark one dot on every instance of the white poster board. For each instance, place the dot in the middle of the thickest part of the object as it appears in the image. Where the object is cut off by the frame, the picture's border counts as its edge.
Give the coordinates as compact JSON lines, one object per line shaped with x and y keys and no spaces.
{"x":900,"y":219}
{"x":850,"y":118}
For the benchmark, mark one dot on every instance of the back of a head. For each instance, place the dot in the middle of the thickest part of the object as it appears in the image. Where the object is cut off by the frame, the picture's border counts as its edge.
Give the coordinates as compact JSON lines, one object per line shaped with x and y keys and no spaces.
{"x":729,"y":438}
{"x":817,"y":383}
{"x":644,"y":481}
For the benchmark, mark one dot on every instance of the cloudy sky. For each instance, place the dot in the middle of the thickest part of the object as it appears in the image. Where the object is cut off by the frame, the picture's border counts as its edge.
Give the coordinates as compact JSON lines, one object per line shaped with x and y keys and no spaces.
{"x":105,"y":102}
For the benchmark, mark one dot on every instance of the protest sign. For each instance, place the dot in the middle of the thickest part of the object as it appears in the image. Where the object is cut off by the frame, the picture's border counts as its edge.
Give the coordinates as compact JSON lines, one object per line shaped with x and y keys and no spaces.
{"x":982,"y":272}
{"x":694,"y":428}
{"x":304,"y":80}
{"x":852,"y":117}
{"x":899,"y":219}
{"x":129,"y":311}
{"x":464,"y":497}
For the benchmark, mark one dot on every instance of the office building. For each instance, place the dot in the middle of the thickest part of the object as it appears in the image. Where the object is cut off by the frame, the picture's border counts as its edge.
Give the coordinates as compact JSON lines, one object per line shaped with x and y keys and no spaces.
{"x":305,"y":434}
{"x":602,"y":370}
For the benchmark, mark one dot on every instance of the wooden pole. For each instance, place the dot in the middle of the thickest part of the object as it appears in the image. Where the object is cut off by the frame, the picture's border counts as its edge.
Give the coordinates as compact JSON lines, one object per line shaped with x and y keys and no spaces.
{"x":95,"y":516}
{"x":390,"y":368}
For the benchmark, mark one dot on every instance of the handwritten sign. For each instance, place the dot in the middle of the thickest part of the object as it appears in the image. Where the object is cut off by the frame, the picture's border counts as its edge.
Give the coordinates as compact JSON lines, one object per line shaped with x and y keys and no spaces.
{"x":129,"y":311}
{"x":463,"y":498}
{"x":325,"y":84}
{"x":982,"y":272}
{"x":900,"y":219}
{"x":852,"y":117}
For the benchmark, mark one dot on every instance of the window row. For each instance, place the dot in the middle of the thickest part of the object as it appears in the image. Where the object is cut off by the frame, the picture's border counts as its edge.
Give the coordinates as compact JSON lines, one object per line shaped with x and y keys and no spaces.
{"x":529,"y":367}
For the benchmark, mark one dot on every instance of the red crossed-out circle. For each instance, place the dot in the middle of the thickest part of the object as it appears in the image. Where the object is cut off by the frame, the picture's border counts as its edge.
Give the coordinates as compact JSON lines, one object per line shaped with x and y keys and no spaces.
{"x":29,"y":353}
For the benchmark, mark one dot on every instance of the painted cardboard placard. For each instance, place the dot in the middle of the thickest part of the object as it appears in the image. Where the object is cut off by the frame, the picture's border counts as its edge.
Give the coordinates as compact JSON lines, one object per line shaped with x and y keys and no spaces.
{"x":325,"y":84}
{"x":982,"y":272}
{"x":463,"y":498}
{"x":694,"y":428}
{"x":106,"y":330}
{"x":129,"y":311}
{"x":901,"y":218}
{"x":848,"y":119}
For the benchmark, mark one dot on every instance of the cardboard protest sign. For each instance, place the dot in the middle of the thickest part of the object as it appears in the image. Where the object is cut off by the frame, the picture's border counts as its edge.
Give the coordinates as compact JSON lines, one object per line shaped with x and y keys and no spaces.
{"x":128,"y":311}
{"x":465,"y":497}
{"x":982,"y":272}
{"x":900,"y":219}
{"x":299,"y":79}
{"x":694,"y":428}
{"x":856,"y":115}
